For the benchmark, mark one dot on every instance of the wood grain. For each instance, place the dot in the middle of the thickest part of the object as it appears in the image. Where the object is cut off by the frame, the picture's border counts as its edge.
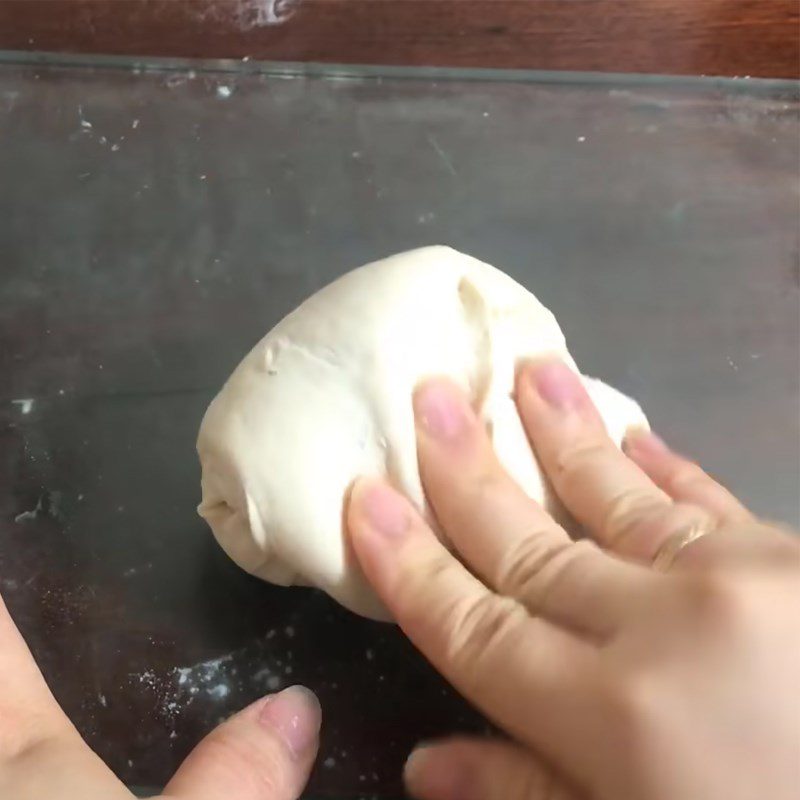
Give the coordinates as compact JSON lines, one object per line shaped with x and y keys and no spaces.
{"x":760,"y":38}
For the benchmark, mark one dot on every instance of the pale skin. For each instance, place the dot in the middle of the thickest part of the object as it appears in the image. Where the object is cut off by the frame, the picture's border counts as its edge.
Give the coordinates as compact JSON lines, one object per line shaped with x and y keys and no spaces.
{"x":265,"y":752}
{"x":610,"y":679}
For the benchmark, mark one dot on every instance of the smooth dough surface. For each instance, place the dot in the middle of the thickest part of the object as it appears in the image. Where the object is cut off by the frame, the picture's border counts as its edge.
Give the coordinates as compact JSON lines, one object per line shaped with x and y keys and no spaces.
{"x":325,"y":397}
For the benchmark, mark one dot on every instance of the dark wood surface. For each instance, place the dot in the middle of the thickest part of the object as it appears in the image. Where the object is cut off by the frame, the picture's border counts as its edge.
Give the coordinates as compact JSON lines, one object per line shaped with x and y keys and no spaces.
{"x":760,"y":38}
{"x":153,"y":225}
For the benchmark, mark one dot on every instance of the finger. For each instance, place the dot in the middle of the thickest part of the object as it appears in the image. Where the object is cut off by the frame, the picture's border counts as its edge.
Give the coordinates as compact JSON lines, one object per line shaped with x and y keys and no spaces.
{"x":602,"y":488}
{"x":264,"y":752}
{"x":59,"y":767}
{"x":507,"y":538}
{"x":28,"y":710}
{"x":480,"y":770}
{"x":682,"y":479}
{"x":487,"y":646}
{"x":745,"y":544}
{"x":41,"y":753}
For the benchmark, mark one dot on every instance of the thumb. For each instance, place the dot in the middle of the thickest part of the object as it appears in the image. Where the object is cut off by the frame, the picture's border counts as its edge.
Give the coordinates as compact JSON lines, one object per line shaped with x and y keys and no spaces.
{"x":264,"y":752}
{"x":481,"y":769}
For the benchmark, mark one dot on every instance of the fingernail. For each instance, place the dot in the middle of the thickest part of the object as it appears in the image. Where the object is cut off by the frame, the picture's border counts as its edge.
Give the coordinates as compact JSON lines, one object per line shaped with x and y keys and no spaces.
{"x":440,"y":410}
{"x":296,"y":716}
{"x":640,"y":440}
{"x":414,"y":769}
{"x":426,"y":775}
{"x":386,"y":511}
{"x":557,"y":384}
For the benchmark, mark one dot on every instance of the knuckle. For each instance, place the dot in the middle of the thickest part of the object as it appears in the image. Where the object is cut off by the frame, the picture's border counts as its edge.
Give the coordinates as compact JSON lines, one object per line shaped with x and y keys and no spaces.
{"x":539,"y":569}
{"x":721,"y":600}
{"x":685,"y":475}
{"x":471,"y":492}
{"x":636,"y":701}
{"x":642,"y":522}
{"x":628,"y":512}
{"x":522,"y":565}
{"x":484,"y":485}
{"x":419,"y":584}
{"x":478,"y":628}
{"x":573,"y":460}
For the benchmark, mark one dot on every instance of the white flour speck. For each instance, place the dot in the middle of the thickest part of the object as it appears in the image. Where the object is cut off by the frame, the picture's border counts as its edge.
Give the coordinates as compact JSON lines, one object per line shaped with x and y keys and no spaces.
{"x":213,"y":681}
{"x":219,"y":692}
{"x":85,"y":124}
{"x":25,"y":404}
{"x":260,"y":13}
{"x":148,"y":678}
{"x":224,"y":92}
{"x":33,"y":513}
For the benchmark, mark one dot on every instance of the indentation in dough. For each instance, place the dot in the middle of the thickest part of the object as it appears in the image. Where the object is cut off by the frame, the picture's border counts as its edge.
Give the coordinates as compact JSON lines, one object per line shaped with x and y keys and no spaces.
{"x":271,"y":358}
{"x":218,"y":512}
{"x":324,"y":355}
{"x":476,"y":316}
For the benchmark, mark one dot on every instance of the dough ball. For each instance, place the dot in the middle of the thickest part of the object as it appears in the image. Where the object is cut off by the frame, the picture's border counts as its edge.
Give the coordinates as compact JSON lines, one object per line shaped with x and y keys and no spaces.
{"x":326,"y":396}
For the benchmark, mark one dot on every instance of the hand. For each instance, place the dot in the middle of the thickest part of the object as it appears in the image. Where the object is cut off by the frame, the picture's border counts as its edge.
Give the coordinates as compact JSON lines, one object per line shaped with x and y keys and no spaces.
{"x":264,"y":752}
{"x":614,"y":680}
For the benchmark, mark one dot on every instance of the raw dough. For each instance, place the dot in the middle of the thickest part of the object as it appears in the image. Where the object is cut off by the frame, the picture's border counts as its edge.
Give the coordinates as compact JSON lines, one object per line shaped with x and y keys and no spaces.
{"x":325,"y":397}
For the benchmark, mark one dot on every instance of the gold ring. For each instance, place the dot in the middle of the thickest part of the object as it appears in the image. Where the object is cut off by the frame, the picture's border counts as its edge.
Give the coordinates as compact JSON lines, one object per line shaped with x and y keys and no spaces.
{"x":673,"y":544}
